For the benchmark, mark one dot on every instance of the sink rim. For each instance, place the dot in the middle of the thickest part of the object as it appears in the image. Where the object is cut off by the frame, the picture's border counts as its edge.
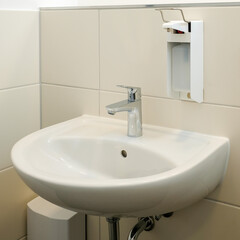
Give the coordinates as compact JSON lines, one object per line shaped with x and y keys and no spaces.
{"x":109,"y":182}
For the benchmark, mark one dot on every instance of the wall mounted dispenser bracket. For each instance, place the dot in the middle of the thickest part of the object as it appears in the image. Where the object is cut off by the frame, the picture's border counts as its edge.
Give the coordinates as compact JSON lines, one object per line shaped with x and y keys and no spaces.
{"x":184,"y":58}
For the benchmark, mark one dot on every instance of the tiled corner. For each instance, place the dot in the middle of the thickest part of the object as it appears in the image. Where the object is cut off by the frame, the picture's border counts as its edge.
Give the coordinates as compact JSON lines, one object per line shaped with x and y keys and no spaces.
{"x":70,"y":48}
{"x":19,"y":47}
{"x":206,"y":220}
{"x":20,"y":115}
{"x":13,"y":205}
{"x":63,"y":103}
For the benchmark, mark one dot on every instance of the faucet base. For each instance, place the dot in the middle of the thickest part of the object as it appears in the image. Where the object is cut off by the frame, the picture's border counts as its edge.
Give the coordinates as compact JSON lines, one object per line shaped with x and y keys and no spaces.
{"x":135,"y":122}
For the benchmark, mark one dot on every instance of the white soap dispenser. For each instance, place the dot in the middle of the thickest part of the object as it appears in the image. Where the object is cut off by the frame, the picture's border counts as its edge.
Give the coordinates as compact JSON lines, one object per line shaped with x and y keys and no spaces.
{"x":184,"y":58}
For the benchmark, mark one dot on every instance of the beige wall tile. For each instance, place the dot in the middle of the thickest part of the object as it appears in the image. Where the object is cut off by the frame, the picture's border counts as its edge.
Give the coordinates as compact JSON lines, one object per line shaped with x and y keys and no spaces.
{"x":221,"y":54}
{"x":13,"y":205}
{"x":132,"y":50}
{"x":63,"y":103}
{"x":19,"y":47}
{"x":205,"y":118}
{"x":93,"y":224}
{"x":206,"y":220}
{"x":69,"y":48}
{"x":20,"y":115}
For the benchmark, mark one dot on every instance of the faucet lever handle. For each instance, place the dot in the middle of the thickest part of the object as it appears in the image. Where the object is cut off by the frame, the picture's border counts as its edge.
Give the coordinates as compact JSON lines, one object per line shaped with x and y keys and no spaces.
{"x":134,"y":93}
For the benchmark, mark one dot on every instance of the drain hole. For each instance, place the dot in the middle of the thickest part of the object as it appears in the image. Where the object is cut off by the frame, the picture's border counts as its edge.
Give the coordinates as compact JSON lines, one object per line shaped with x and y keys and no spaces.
{"x":124,"y":153}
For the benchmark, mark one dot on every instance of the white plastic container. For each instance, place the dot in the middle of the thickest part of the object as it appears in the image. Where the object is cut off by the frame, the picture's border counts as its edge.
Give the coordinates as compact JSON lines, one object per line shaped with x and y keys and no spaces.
{"x":46,"y":221}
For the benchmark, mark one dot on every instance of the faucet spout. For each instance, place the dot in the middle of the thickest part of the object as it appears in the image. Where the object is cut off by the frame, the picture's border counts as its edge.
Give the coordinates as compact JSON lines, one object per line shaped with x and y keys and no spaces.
{"x":122,"y":106}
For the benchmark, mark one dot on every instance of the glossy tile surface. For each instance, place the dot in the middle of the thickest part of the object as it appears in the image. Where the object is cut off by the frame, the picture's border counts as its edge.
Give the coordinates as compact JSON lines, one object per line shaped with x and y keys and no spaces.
{"x":69,"y":48}
{"x":135,"y":54}
{"x":221,"y":54}
{"x":132,"y":51}
{"x":19,"y":47}
{"x":20,"y":115}
{"x":63,"y":103}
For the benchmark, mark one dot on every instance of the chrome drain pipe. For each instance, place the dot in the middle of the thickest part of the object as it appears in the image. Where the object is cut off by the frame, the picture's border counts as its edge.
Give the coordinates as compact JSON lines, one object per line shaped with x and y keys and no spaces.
{"x":113,"y":228}
{"x":145,"y":223}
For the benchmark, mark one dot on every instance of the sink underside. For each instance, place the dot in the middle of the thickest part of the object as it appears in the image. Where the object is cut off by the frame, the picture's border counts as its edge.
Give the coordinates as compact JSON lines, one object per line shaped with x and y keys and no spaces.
{"x":88,"y":164}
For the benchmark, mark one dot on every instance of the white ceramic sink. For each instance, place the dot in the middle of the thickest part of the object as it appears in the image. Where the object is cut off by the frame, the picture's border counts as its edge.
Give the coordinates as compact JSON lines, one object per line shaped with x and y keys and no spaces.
{"x":82,"y":165}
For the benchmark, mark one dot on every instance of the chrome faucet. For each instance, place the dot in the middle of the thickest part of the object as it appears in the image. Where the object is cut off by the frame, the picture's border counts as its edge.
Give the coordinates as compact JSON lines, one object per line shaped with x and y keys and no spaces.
{"x":133,"y":105}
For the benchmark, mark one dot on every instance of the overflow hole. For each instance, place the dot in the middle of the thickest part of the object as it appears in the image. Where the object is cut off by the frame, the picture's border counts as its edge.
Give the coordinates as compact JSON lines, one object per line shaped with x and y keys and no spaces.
{"x":124,"y":153}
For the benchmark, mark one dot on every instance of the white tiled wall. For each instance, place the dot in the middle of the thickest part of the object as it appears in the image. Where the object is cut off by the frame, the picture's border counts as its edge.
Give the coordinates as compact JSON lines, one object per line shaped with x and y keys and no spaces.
{"x":131,"y":50}
{"x":19,"y":111}
{"x":19,"y":60}
{"x":20,"y":116}
{"x":80,"y":65}
{"x":61,"y":103}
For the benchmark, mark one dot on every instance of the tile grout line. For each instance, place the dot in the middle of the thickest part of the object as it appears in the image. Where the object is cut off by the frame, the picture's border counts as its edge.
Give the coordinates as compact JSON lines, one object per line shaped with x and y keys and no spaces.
{"x":68,"y":86}
{"x":6,"y":168}
{"x":149,"y":96}
{"x":20,"y":86}
{"x":40,"y":72}
{"x":23,"y":238}
{"x":179,"y":100}
{"x":222,"y":202}
{"x":99,"y":64}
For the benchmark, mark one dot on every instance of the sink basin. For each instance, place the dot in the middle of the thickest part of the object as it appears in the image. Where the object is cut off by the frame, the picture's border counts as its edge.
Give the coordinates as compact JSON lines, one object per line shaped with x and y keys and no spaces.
{"x":89,"y":165}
